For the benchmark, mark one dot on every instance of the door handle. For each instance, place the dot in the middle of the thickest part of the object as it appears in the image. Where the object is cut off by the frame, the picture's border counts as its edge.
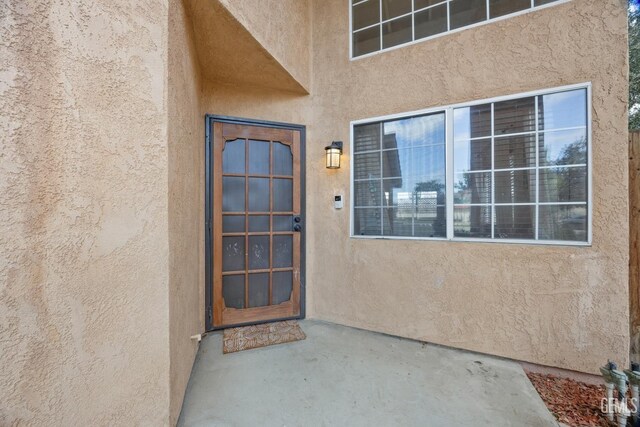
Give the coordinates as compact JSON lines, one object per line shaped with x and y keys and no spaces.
{"x":297,"y":228}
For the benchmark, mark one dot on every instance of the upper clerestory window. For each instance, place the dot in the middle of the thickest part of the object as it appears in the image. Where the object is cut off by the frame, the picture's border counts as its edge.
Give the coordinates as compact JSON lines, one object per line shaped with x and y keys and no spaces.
{"x":382,"y":24}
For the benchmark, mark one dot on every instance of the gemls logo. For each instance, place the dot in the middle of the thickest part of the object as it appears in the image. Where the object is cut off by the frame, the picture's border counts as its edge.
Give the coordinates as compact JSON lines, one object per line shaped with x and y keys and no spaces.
{"x":615,"y":406}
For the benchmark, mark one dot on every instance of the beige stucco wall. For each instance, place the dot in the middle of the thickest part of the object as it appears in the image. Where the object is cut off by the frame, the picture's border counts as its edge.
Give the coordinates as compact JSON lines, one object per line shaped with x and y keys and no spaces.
{"x":84,"y":334}
{"x":101,"y":195}
{"x":553,"y":305}
{"x":186,"y":202}
{"x":283,"y":28}
{"x":559,"y":306}
{"x":253,"y":43}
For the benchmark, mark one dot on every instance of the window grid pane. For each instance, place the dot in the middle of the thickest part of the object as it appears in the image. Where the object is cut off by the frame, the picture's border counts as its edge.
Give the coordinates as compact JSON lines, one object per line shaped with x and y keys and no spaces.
{"x":518,"y":183}
{"x":382,"y":24}
{"x":399,"y":179}
{"x":513,"y":186}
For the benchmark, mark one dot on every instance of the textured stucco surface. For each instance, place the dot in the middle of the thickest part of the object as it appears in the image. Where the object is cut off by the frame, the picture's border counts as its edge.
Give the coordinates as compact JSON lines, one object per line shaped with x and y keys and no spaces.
{"x":283,"y":27}
{"x":186,"y":201}
{"x":101,"y":186}
{"x":234,"y":48}
{"x":558,"y":306}
{"x":84,"y":337}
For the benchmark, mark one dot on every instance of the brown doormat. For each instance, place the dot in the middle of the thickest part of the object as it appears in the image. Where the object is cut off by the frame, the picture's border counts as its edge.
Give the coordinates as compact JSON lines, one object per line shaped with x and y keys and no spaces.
{"x":248,"y":337}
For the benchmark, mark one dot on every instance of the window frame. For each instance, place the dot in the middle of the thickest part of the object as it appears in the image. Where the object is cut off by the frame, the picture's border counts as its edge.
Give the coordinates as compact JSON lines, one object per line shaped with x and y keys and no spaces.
{"x":450,"y":172}
{"x":412,"y":14}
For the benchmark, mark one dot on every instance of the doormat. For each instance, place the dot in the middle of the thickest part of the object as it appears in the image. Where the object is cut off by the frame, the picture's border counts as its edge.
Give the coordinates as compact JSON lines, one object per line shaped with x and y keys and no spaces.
{"x":254,"y":336}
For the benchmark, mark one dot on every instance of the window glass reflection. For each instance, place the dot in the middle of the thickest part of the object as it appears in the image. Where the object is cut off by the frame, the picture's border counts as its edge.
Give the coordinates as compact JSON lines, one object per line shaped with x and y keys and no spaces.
{"x":410,"y":192}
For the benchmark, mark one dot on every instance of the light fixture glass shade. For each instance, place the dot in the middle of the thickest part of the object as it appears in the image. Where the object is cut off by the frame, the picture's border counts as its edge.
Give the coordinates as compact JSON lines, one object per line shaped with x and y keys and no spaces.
{"x":333,"y":158}
{"x":333,"y":153}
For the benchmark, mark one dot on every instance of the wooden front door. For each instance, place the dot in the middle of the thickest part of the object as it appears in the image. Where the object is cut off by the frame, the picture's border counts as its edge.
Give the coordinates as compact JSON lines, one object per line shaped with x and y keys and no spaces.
{"x":256,"y":222}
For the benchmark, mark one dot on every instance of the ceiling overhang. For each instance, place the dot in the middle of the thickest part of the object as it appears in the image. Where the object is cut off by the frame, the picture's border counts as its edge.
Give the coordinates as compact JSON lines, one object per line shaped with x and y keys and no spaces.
{"x":228,"y":52}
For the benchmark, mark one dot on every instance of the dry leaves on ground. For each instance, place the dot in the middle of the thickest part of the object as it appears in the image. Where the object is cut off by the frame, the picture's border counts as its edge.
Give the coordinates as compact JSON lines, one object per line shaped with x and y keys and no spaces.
{"x":572,"y":402}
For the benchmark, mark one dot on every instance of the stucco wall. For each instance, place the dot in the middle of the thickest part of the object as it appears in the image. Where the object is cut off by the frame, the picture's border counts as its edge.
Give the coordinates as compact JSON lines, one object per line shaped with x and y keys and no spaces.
{"x":283,"y":28}
{"x":101,"y":179}
{"x":186,"y":202}
{"x":84,"y":334}
{"x":233,"y":48}
{"x":553,"y":305}
{"x":559,"y":306}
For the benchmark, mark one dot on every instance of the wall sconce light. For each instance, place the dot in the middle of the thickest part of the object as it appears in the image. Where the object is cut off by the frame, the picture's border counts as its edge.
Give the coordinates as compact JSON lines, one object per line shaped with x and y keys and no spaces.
{"x":333,"y":153}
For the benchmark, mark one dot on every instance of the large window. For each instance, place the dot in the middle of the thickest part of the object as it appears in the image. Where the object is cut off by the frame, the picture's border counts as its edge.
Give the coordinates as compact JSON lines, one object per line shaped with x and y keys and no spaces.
{"x":514,"y":169}
{"x":399,"y":177}
{"x":382,"y":24}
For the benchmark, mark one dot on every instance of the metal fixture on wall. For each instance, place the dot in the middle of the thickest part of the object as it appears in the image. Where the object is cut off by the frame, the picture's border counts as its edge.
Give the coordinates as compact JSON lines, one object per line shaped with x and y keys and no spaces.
{"x":333,"y":153}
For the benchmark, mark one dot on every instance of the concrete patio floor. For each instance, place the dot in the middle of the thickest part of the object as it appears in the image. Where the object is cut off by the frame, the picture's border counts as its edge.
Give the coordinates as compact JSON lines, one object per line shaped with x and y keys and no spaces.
{"x":340,"y":376}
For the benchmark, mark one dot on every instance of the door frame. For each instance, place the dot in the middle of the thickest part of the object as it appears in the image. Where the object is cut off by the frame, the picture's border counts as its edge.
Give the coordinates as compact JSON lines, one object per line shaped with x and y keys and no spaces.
{"x":208,"y":208}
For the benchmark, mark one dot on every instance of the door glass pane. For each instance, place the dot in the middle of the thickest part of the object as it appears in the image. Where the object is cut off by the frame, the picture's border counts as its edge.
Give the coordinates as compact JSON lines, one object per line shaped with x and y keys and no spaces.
{"x":233,"y":223}
{"x":467,"y":12}
{"x":514,"y":116}
{"x":232,"y":253}
{"x":366,"y":41}
{"x":367,"y":193}
{"x":563,"y":109}
{"x":431,"y":21}
{"x":564,"y":222}
{"x":258,"y":223}
{"x":282,"y":159}
{"x":282,"y":195}
{"x":472,"y":155}
{"x":232,"y":194}
{"x":281,"y":287}
{"x":282,"y":223}
{"x":515,"y":152}
{"x":515,"y":222}
{"x":259,"y":157}
{"x":282,"y":251}
{"x":396,"y":32}
{"x":233,"y":156}
{"x":515,"y":186}
{"x":393,"y":8}
{"x":233,"y":291}
{"x":563,"y":184}
{"x":367,"y":222}
{"x":258,"y":194}
{"x":258,"y":252}
{"x":472,"y":221}
{"x":566,"y":147}
{"x":366,"y":13}
{"x":504,"y":7}
{"x":366,"y":137}
{"x":258,"y":289}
